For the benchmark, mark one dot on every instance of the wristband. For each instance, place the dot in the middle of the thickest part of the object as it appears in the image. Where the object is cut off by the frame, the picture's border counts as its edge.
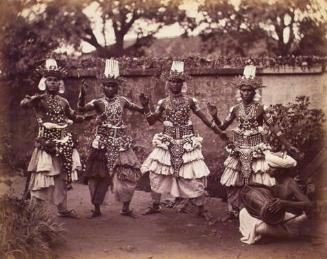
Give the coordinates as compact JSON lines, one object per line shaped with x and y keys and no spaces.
{"x":279,"y":133}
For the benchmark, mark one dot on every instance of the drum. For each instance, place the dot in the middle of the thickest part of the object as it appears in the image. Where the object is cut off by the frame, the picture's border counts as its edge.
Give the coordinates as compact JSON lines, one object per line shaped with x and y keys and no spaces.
{"x":257,"y":200}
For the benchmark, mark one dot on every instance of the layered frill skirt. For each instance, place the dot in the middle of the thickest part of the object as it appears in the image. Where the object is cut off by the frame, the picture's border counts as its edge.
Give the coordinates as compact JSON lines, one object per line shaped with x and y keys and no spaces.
{"x":46,"y":174}
{"x":232,"y":175}
{"x":191,"y":180}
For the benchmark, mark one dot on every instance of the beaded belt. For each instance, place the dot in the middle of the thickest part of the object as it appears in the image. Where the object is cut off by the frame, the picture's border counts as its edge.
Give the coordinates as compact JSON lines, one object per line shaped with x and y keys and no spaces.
{"x":242,"y":140}
{"x":51,"y":134}
{"x":178,"y":132}
{"x":64,"y":150}
{"x":111,"y":132}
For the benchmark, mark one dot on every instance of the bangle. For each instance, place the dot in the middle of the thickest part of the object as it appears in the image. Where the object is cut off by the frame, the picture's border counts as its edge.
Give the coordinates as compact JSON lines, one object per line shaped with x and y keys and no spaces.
{"x":148,"y":114}
{"x":279,"y":133}
{"x":213,"y":124}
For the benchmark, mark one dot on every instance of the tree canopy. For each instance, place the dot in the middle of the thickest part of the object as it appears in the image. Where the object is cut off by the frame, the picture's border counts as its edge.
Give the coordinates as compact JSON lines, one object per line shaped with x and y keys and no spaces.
{"x":31,"y":29}
{"x":283,"y":27}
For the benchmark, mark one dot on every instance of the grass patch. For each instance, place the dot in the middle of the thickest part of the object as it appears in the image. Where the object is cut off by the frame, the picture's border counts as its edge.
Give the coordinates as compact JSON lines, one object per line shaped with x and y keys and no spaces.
{"x":27,"y":230}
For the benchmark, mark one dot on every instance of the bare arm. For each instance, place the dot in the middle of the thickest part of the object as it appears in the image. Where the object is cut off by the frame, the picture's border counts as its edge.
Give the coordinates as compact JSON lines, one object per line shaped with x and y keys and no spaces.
{"x":301,"y":204}
{"x":31,"y":101}
{"x":81,"y":106}
{"x":71,"y":114}
{"x":214,"y":114}
{"x":151,"y":117}
{"x":132,"y":106}
{"x":197,"y":111}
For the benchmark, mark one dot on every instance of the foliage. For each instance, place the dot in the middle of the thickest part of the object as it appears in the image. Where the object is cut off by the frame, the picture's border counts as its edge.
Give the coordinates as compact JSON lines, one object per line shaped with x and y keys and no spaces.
{"x":130,"y":65}
{"x":279,"y":27}
{"x":26,"y":230}
{"x":302,"y":126}
{"x":31,"y":30}
{"x":142,"y":17}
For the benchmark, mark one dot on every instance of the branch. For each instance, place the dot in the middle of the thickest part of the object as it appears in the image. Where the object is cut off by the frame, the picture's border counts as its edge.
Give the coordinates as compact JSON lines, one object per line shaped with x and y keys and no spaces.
{"x":91,"y":39}
{"x":115,"y":25}
{"x":130,"y":23}
{"x":139,"y":43}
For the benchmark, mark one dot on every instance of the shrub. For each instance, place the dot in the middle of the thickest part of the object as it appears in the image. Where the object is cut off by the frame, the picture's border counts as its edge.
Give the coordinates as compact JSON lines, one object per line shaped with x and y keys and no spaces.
{"x":302,"y":126}
{"x":26,"y":230}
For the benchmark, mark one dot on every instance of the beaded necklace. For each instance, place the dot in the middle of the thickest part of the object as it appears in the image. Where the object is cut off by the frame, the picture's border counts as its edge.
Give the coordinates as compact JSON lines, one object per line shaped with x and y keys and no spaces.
{"x":55,"y":111}
{"x":177,"y":110}
{"x":113,"y":110}
{"x":247,"y":115}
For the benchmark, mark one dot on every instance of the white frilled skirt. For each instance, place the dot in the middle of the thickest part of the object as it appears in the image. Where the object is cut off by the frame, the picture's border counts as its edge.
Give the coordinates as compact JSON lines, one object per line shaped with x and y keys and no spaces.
{"x":46,"y":174}
{"x":191,"y":180}
{"x":232,"y":173}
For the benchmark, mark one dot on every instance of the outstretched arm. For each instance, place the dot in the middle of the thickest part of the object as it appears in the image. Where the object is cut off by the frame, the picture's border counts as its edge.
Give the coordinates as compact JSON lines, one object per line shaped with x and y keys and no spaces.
{"x":81,"y":106}
{"x":214,"y":114}
{"x":31,"y":101}
{"x":197,"y":111}
{"x":151,"y":117}
{"x":71,"y":114}
{"x":132,"y":106}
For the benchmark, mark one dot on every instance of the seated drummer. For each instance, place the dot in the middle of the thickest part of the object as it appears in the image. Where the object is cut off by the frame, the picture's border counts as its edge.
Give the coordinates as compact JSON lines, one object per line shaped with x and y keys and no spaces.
{"x":288,"y":198}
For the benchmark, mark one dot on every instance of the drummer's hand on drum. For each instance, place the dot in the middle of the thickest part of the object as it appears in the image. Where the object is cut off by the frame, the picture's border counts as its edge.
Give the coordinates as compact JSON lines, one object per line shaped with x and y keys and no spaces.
{"x":276,"y":205}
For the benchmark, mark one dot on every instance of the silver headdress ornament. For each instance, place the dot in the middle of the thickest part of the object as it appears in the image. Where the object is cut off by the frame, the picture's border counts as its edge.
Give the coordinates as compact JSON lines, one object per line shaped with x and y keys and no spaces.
{"x":176,"y":72}
{"x":51,"y":68}
{"x":51,"y":64}
{"x":248,"y":78}
{"x":111,"y":72}
{"x":249,"y":71}
{"x":177,"y":67}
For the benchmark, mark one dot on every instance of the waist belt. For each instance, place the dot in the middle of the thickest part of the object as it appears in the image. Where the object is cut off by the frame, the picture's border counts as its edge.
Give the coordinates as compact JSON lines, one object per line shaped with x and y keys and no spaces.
{"x":178,"y":132}
{"x":51,"y":134}
{"x":242,"y":140}
{"x":50,"y":140}
{"x":111,"y":132}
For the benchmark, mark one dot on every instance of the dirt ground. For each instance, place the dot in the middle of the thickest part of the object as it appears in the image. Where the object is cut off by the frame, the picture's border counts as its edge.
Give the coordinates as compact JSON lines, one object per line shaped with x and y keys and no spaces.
{"x":167,"y":235}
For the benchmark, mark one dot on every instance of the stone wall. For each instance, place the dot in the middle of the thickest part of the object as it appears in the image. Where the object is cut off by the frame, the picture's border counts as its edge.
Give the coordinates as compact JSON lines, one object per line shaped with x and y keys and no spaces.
{"x":206,"y":85}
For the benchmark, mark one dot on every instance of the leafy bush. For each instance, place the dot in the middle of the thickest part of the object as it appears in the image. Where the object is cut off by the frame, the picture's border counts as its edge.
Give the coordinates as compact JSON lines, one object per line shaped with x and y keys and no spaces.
{"x":26,"y":230}
{"x":302,"y":126}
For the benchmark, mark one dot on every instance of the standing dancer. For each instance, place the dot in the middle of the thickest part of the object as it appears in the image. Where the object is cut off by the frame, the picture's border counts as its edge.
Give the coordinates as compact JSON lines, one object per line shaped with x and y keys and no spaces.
{"x":176,"y":164}
{"x":112,"y":160}
{"x":250,"y":156}
{"x":55,"y":160}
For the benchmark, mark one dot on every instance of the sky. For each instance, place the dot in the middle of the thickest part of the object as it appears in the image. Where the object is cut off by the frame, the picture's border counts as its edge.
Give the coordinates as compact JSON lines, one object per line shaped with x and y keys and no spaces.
{"x":190,"y":6}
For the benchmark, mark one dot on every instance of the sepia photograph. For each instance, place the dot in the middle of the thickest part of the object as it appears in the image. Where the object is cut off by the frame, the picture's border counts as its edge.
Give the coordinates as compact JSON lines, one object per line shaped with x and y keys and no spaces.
{"x":163,"y":129}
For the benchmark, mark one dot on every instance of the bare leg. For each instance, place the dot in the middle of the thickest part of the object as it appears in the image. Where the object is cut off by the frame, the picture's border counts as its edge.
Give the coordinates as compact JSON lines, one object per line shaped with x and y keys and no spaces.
{"x":155,"y":208}
{"x":233,"y":203}
{"x":126,"y":206}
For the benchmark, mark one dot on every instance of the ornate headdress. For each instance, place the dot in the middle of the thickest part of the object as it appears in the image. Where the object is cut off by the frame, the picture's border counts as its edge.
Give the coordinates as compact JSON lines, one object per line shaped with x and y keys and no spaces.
{"x":51,"y":68}
{"x":176,"y":72}
{"x":110,"y":72}
{"x":248,"y":78}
